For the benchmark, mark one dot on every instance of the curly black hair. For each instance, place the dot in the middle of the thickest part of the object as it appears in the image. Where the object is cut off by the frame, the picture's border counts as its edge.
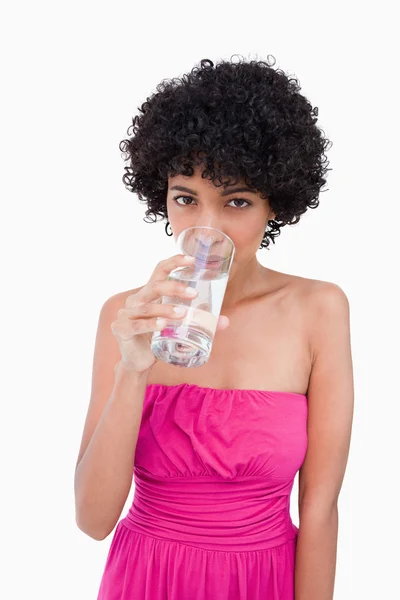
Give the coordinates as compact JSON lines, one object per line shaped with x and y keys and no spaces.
{"x":238,"y":119}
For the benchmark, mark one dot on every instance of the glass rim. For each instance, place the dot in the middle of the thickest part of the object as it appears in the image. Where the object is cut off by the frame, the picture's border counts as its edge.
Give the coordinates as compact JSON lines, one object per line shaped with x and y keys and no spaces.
{"x":207,"y":227}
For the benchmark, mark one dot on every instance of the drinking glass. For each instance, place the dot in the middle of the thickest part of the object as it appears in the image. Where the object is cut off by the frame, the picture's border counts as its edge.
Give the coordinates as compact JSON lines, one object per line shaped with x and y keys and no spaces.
{"x":188,"y":342}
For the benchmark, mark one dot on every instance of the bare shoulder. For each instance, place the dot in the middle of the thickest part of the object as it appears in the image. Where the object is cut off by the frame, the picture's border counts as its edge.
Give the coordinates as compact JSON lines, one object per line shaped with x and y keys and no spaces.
{"x":318,"y":293}
{"x":316,"y":299}
{"x":325,"y":296}
{"x":324,"y":310}
{"x":327,"y":312}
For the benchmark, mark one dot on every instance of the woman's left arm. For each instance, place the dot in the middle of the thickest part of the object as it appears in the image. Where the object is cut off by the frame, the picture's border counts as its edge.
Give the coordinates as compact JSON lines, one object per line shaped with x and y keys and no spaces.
{"x":330,"y":415}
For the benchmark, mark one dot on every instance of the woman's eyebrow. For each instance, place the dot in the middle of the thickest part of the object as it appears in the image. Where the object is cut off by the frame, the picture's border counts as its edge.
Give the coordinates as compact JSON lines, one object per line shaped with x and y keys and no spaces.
{"x":182,"y":188}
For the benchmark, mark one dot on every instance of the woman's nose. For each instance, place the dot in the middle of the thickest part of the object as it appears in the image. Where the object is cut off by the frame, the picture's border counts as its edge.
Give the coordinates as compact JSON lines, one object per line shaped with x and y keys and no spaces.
{"x":207,"y":240}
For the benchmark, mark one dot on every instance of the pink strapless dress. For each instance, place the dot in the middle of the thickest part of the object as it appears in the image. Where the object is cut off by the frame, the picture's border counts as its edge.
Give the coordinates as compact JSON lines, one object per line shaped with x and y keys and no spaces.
{"x":210,"y":518}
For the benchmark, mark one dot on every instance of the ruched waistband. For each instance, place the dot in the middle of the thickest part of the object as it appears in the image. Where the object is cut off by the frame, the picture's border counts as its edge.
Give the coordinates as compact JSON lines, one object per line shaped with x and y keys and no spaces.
{"x":238,"y":515}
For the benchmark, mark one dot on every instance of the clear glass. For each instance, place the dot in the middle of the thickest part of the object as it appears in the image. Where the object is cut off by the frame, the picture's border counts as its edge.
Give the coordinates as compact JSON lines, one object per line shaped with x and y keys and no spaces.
{"x":188,"y":342}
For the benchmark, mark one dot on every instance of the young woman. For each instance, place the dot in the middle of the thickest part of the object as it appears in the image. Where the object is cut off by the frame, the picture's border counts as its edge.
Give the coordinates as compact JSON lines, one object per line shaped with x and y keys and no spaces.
{"x":214,"y":450}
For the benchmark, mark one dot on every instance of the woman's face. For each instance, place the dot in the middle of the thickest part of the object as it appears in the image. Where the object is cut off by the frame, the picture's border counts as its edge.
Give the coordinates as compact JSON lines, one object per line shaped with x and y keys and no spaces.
{"x":243,"y":216}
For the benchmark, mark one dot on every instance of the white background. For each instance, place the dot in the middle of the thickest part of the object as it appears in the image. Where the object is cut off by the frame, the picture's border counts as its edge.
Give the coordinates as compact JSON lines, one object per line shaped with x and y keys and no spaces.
{"x":73,"y":75}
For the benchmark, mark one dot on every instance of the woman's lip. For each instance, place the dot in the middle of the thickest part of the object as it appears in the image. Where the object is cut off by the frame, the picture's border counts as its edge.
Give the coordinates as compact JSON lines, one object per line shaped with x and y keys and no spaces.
{"x":210,"y":264}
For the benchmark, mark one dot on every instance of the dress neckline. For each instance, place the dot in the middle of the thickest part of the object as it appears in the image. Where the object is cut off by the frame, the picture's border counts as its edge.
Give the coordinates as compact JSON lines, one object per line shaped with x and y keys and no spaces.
{"x":193,"y":385}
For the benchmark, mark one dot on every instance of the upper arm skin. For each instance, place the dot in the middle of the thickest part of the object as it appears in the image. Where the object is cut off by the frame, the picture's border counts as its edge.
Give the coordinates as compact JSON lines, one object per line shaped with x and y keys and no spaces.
{"x":106,"y":356}
{"x":330,"y":398}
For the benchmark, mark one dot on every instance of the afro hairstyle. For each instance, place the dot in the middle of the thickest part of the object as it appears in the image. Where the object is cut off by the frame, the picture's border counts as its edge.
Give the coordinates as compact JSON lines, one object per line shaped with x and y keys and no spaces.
{"x":238,"y":119}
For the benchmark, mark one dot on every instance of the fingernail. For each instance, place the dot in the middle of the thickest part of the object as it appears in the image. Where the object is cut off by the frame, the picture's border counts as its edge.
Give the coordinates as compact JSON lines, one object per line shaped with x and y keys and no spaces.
{"x":179,"y":310}
{"x":191,"y":292}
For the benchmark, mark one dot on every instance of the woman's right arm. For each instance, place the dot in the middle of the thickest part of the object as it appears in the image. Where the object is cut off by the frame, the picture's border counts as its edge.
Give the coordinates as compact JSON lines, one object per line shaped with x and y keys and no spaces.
{"x":122,"y":362}
{"x":104,"y":469}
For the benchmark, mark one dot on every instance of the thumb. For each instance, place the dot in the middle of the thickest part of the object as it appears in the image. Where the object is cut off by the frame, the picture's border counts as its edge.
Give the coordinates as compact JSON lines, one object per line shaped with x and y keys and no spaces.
{"x":223,"y":322}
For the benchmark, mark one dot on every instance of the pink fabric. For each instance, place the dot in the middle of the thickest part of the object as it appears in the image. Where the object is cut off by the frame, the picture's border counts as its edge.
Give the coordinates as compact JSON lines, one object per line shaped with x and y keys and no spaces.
{"x":210,"y":518}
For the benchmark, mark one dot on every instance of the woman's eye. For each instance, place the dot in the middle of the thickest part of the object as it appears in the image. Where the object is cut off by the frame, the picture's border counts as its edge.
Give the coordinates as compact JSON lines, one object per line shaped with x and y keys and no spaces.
{"x":241,"y":200}
{"x":176,"y":198}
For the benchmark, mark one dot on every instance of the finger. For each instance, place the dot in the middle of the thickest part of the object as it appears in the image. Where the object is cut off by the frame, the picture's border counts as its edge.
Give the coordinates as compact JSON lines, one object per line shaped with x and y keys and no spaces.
{"x":164,"y":267}
{"x":154,"y":292}
{"x":147,"y":311}
{"x":160,"y":273}
{"x":149,"y":292}
{"x":126,"y":330}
